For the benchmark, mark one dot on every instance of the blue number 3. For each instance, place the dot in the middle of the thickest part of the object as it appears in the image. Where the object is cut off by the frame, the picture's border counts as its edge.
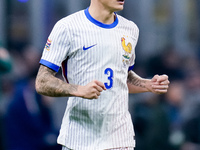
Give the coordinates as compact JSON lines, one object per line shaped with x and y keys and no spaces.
{"x":109,"y":72}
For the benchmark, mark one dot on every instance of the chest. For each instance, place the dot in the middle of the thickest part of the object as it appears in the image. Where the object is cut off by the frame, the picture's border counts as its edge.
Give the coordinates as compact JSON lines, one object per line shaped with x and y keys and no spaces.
{"x":110,"y":45}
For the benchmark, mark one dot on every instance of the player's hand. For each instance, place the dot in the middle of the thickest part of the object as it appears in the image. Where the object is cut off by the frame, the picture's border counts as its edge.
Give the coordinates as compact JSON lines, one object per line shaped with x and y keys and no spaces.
{"x":159,"y":84}
{"x":92,"y":90}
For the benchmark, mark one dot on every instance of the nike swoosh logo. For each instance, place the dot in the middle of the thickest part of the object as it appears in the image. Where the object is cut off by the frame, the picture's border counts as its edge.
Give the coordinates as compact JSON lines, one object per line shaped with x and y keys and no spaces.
{"x":86,"y":48}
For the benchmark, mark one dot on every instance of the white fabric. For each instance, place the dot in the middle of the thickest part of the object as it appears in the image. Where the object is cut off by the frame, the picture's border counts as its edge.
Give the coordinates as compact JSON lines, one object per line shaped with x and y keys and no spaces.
{"x":127,"y":148}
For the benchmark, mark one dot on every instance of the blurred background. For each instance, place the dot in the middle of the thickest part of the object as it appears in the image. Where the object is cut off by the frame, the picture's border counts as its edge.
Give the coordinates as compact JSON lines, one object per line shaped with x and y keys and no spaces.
{"x":169,"y":43}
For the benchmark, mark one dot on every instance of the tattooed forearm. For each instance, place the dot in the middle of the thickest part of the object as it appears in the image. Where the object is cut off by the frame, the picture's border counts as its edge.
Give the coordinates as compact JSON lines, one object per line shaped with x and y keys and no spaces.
{"x":47,"y":84}
{"x":135,"y":80}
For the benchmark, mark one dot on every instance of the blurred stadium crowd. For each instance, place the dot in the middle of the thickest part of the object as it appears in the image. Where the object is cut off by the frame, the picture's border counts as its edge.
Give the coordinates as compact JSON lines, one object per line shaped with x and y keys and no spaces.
{"x":169,"y":44}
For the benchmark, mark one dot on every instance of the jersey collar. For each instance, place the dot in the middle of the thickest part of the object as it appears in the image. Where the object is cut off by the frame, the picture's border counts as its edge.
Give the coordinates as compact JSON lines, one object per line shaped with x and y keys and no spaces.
{"x":98,"y":23}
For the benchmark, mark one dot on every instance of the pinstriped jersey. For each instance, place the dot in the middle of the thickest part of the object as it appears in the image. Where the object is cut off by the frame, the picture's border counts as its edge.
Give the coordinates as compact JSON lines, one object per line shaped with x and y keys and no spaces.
{"x":87,"y":50}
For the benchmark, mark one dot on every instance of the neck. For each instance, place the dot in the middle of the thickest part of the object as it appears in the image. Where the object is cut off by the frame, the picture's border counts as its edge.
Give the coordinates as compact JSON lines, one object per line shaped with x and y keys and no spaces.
{"x":101,"y":14}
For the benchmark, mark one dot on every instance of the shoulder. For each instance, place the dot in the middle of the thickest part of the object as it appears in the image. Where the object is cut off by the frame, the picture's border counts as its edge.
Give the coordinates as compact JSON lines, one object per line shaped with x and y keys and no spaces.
{"x":69,"y":20}
{"x":127,"y":23}
{"x":129,"y":26}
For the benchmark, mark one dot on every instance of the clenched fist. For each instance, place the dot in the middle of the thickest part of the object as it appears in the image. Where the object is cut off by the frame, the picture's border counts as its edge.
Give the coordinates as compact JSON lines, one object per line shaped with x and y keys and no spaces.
{"x":92,"y":90}
{"x":159,"y":84}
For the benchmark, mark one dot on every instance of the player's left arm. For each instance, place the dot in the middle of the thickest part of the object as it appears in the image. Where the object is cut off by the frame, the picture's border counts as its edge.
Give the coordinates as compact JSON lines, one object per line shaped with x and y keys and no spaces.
{"x":159,"y":84}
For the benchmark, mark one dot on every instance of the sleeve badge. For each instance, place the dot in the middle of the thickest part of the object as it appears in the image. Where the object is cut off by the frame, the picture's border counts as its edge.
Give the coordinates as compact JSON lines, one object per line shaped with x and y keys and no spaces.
{"x":48,"y":44}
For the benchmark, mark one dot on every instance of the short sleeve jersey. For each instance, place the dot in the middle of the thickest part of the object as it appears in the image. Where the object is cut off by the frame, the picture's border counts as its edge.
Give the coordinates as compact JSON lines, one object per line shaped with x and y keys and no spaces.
{"x":87,"y":50}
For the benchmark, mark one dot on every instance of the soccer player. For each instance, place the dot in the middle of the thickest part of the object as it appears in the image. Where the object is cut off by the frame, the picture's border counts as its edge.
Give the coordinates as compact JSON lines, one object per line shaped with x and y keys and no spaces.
{"x":96,"y":49}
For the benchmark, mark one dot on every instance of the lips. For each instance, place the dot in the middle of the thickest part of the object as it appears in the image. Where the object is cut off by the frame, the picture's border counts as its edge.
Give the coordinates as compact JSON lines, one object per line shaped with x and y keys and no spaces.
{"x":120,"y":1}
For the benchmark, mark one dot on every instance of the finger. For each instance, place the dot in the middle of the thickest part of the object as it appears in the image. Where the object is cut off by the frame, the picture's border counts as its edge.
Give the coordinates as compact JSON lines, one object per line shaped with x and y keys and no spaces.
{"x":165,"y":82}
{"x":162,"y":78}
{"x":161,"y":83}
{"x":95,"y":93}
{"x":159,"y":91}
{"x":99,"y":83}
{"x":99,"y":88}
{"x":96,"y":96}
{"x":160,"y":87}
{"x":154,"y":79}
{"x":98,"y":93}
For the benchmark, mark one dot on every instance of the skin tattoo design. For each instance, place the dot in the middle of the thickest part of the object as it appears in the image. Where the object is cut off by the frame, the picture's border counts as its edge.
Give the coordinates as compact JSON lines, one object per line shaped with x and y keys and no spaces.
{"x":51,"y":86}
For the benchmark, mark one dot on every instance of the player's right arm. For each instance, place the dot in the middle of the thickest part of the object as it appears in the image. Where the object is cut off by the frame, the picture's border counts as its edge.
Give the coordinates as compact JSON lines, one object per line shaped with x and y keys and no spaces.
{"x":47,"y":84}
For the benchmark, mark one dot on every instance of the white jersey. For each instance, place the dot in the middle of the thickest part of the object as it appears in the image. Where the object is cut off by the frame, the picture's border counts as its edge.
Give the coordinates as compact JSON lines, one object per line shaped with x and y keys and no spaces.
{"x":90,"y":50}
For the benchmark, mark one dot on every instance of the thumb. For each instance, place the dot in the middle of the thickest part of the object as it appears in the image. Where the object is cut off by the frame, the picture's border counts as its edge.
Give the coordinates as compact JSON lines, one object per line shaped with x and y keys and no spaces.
{"x":154,"y":79}
{"x":99,"y":83}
